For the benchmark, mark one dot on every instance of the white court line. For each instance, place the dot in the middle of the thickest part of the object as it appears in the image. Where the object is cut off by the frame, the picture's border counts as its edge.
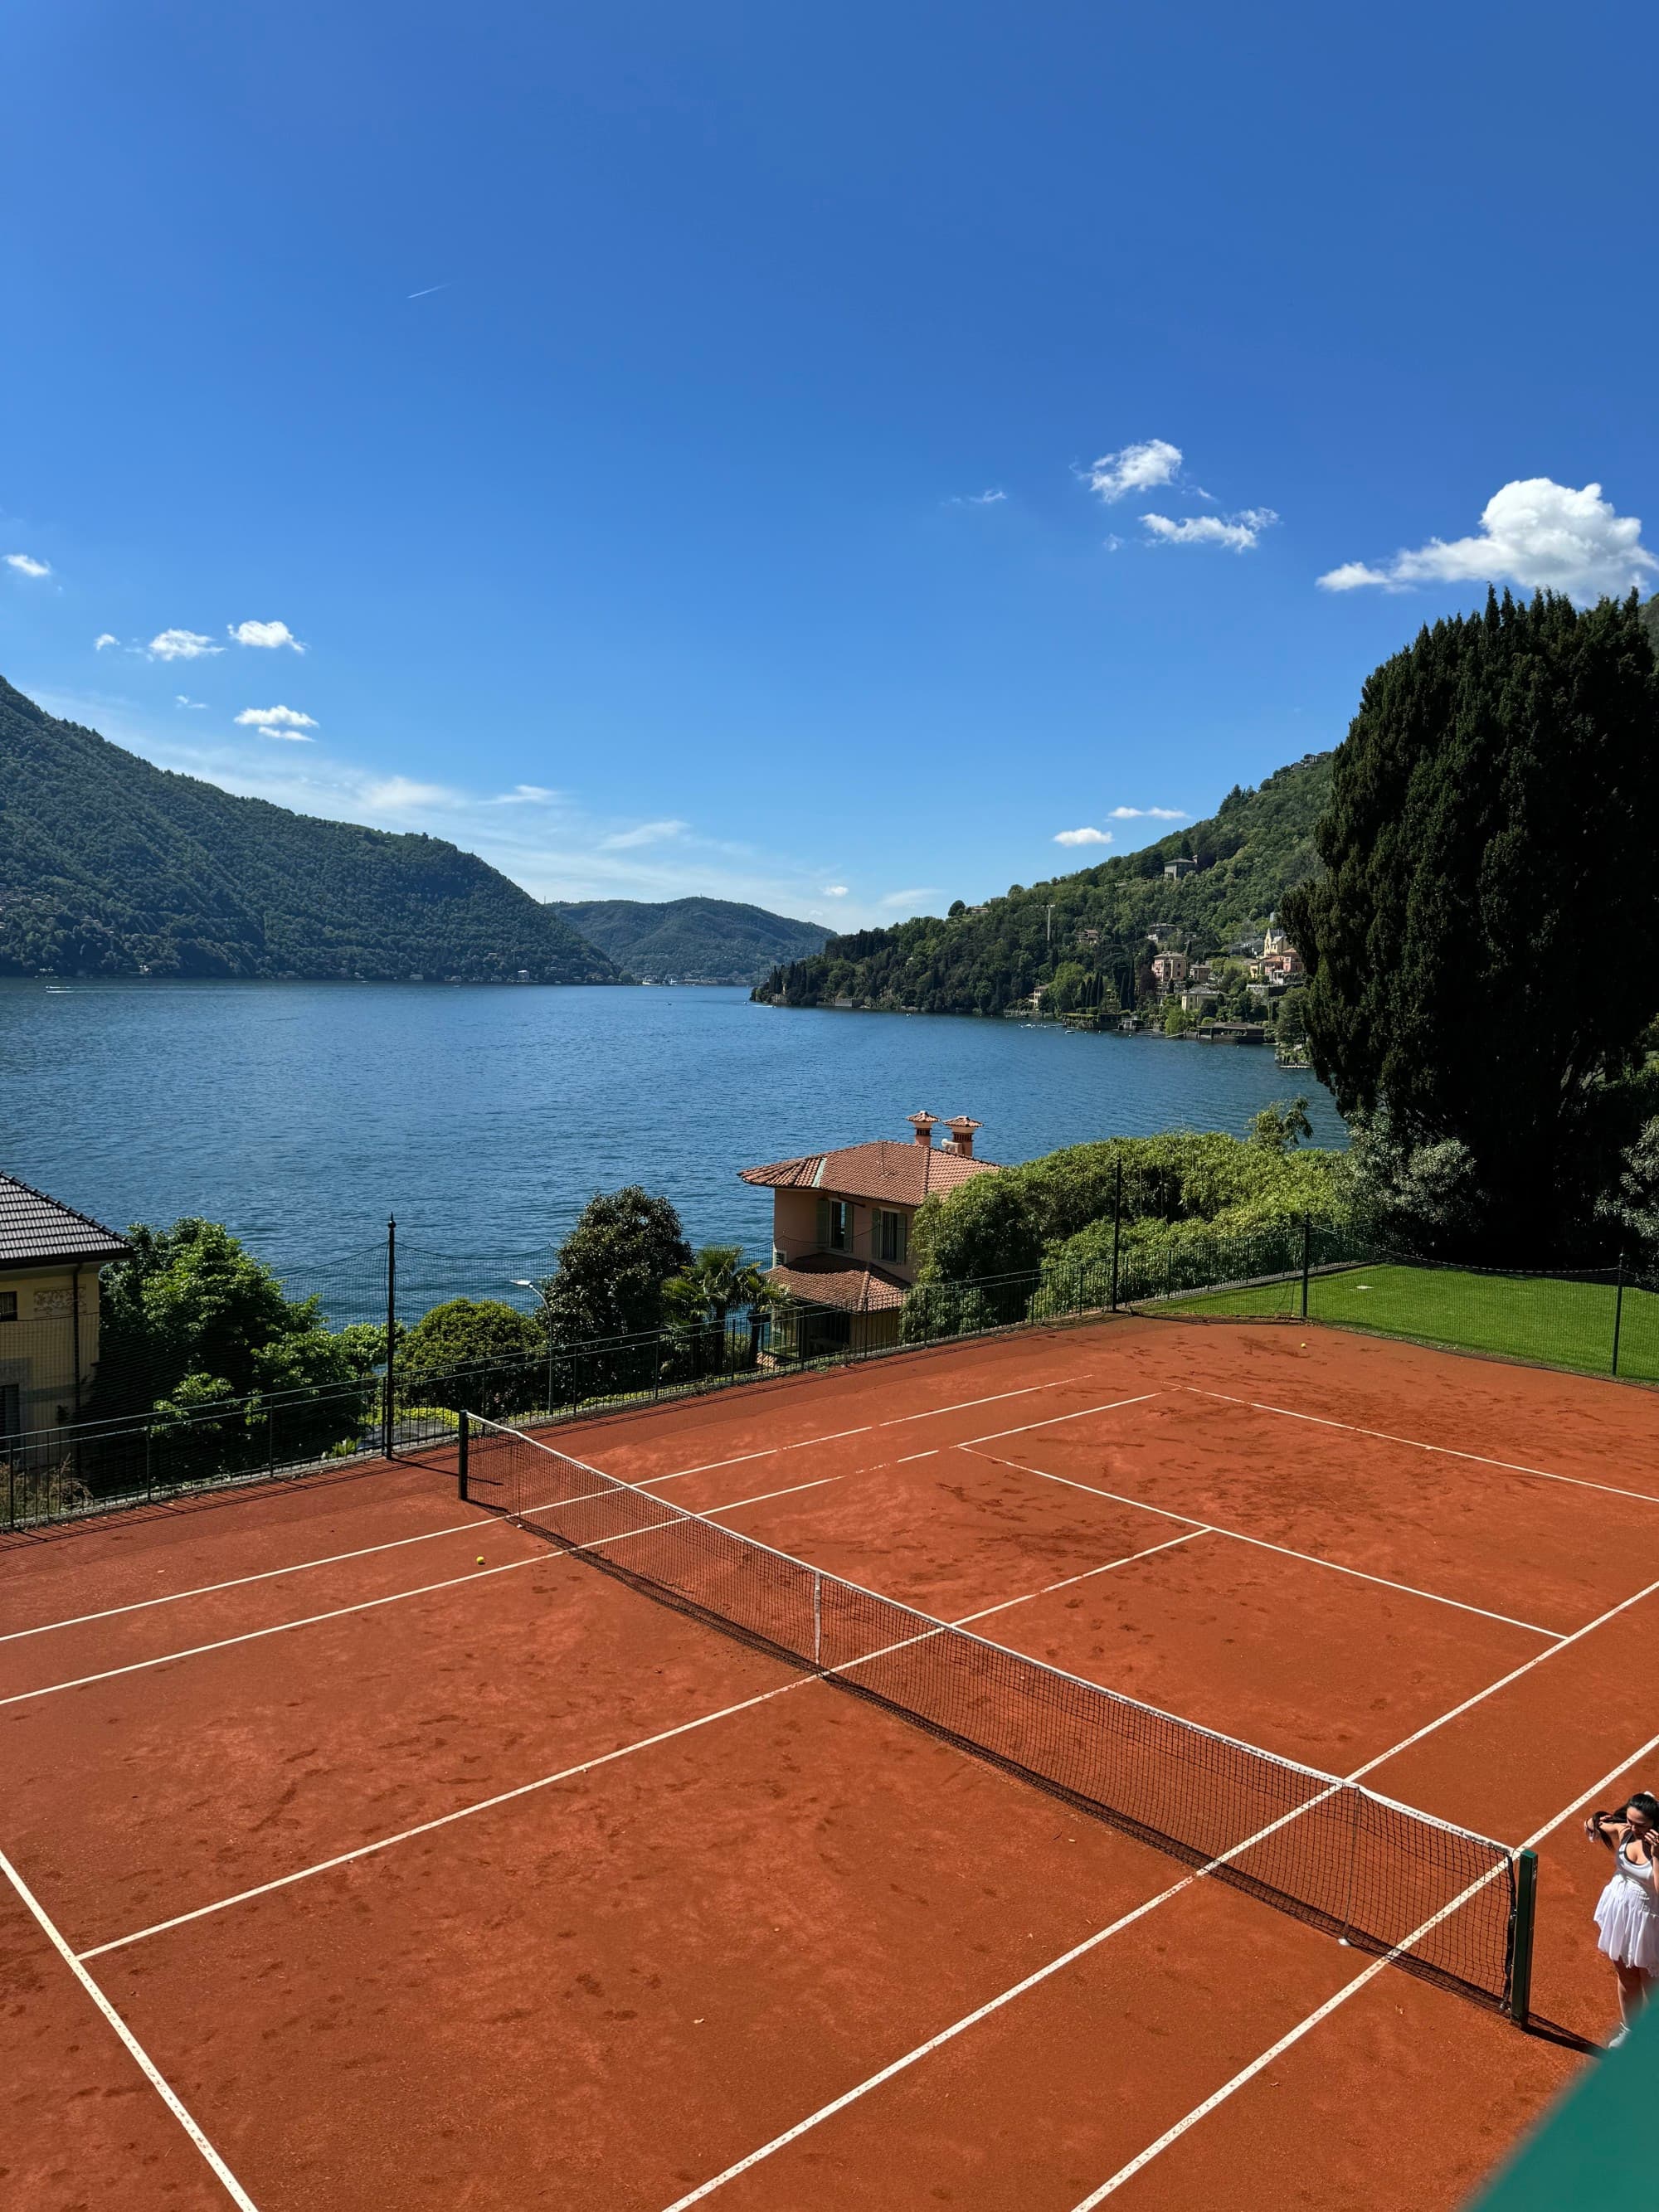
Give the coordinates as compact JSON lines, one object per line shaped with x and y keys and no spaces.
{"x":909,"y":1456}
{"x":135,"y":2050}
{"x":805,"y":1443}
{"x":995,"y":2004}
{"x":237,"y":1582}
{"x":465,"y":1528}
{"x":1309,"y":1559}
{"x":393,"y":1597}
{"x":1257,"y":2065}
{"x":604,"y":1759}
{"x":1055,"y":1419}
{"x":1042,"y":1973}
{"x":1415,"y":1443}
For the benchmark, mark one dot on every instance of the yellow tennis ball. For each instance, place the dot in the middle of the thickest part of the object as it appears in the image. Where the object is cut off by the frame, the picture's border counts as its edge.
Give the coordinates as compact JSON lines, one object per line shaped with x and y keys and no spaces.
{"x":481,"y":1559}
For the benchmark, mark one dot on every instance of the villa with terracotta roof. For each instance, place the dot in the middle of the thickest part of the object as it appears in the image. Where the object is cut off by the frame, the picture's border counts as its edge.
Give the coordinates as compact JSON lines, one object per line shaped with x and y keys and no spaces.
{"x":50,"y":1257}
{"x":841,"y":1225}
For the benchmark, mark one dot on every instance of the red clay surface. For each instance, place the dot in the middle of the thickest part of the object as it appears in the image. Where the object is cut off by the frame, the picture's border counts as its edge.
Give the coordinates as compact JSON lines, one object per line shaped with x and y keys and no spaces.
{"x":430,"y":1867}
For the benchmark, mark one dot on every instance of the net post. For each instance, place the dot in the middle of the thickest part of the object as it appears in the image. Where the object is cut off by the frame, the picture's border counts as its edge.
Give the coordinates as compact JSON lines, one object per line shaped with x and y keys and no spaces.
{"x":1526,"y":1908}
{"x":817,"y":1619}
{"x":463,"y":1437}
{"x":1307,"y":1258}
{"x":1618,"y":1312}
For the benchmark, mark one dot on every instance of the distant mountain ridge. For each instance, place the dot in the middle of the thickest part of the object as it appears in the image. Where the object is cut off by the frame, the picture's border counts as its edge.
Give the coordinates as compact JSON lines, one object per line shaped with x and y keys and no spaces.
{"x":693,"y":940}
{"x":110,"y":866}
{"x":983,"y":959}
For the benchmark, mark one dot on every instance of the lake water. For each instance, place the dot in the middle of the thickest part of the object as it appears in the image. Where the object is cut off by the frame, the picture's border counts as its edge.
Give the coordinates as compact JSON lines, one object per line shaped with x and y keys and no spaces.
{"x":302,"y":1115}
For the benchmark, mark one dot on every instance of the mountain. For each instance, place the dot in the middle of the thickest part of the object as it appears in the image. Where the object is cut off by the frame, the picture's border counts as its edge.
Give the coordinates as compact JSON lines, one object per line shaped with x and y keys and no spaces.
{"x":979,"y":960}
{"x":109,"y":866}
{"x":695,"y":940}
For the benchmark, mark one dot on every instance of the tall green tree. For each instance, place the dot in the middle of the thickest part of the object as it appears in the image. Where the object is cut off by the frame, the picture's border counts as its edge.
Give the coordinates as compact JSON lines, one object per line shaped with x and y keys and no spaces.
{"x":612,"y":1266}
{"x":1490,"y":906}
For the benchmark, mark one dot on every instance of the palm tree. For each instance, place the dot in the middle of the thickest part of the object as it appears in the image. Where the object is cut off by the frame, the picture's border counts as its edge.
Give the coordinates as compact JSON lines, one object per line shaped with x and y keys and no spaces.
{"x":698,"y":1301}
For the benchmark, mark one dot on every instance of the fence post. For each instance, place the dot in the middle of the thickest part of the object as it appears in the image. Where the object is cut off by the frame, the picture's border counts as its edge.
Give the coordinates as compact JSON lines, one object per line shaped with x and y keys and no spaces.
{"x":387,"y":1408}
{"x":1117,"y":1224}
{"x":1618,"y":1312}
{"x":460,"y":1463}
{"x":1525,"y":1905}
{"x":1307,"y":1257}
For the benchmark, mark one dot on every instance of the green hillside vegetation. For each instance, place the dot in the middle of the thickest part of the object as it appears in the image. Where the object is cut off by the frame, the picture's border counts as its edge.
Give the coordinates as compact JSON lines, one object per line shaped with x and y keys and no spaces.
{"x":695,"y":940}
{"x":109,"y":866}
{"x":983,"y":959}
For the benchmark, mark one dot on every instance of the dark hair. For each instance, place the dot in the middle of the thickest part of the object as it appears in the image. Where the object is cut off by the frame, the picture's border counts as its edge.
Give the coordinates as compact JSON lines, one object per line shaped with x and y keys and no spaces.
{"x":1645,"y":1806}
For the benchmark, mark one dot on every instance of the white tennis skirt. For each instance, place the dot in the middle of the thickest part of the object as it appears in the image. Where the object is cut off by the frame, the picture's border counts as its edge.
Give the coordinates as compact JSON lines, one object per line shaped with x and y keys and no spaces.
{"x":1628,"y":1918}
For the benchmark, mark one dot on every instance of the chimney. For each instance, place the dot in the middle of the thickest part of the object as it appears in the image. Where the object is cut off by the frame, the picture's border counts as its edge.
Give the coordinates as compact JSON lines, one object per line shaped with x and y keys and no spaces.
{"x":962,"y":1130}
{"x":922,"y":1123}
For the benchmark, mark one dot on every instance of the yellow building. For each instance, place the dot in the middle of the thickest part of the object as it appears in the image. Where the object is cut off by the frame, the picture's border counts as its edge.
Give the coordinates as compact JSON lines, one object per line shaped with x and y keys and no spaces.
{"x":50,"y":1257}
{"x":840,"y":1228}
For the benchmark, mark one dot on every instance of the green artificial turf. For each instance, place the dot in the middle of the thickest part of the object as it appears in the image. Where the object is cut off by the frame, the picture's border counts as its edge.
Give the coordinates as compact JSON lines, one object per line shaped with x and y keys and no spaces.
{"x":1537,"y":1318}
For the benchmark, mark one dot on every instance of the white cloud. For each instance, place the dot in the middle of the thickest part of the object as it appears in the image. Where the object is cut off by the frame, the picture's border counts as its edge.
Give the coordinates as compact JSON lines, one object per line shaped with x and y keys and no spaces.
{"x":277,"y":722}
{"x":104,"y":637}
{"x":834,"y":891}
{"x":1135,"y":468}
{"x":26,"y":565}
{"x":912,"y":898}
{"x":400,"y":794}
{"x":1149,"y":814}
{"x":1084,"y":836}
{"x":181,"y":645}
{"x":1353,"y":574}
{"x":524,"y":795}
{"x":649,"y":833}
{"x":979,"y":499}
{"x":1237,"y":532}
{"x":271,"y":633}
{"x":1534,"y":533}
{"x":182,"y":699}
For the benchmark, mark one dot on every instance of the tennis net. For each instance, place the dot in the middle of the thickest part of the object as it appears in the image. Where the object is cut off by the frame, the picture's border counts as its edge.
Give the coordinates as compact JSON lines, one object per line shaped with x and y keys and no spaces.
{"x":1383,"y":1876}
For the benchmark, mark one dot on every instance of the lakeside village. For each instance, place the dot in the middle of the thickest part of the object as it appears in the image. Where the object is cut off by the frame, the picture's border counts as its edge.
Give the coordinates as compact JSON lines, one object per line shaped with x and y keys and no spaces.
{"x":1249,"y":993}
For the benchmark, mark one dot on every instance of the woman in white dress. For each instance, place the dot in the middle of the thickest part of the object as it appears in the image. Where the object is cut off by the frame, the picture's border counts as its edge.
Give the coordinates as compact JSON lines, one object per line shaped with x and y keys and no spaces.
{"x":1627,"y":1913}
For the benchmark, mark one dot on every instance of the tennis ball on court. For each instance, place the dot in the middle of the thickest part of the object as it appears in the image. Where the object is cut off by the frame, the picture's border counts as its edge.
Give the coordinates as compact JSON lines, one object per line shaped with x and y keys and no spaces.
{"x":481,"y":1559}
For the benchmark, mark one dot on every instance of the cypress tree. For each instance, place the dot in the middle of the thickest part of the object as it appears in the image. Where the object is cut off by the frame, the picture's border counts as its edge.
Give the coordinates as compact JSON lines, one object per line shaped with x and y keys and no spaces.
{"x":1482,"y":942}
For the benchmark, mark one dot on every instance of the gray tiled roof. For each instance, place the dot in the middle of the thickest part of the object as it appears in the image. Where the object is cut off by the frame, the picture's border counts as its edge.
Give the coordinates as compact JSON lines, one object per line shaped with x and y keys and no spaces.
{"x":35,"y":1227}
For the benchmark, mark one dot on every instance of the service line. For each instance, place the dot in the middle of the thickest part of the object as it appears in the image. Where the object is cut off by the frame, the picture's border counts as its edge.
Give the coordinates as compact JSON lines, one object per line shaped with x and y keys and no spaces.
{"x":1237,"y":1536}
{"x":602,"y":1759}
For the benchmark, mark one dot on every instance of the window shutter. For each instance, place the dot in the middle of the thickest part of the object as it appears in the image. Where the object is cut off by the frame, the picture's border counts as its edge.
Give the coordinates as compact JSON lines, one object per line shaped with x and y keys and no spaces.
{"x":823,"y":1225}
{"x":901,"y":1238}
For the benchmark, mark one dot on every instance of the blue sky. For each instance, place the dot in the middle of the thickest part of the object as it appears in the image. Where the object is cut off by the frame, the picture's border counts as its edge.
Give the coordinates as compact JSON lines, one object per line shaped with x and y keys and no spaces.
{"x":754,"y":500}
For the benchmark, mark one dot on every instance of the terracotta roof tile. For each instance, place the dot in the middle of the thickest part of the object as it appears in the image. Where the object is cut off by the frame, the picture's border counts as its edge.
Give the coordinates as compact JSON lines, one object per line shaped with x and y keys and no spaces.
{"x":34,"y":1227}
{"x":828,"y":1278}
{"x":903,"y":1174}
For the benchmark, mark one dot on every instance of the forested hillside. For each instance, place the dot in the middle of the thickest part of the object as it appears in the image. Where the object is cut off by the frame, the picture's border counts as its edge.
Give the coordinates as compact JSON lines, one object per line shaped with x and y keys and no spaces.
{"x":109,"y":866}
{"x":979,"y":960}
{"x":695,"y":940}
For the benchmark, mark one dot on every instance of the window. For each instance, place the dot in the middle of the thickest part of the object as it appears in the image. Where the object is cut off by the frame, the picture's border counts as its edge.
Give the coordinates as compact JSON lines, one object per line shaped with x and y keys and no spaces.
{"x":7,"y":1305}
{"x":11,"y":1409}
{"x":891,"y":1238}
{"x":835,"y":1225}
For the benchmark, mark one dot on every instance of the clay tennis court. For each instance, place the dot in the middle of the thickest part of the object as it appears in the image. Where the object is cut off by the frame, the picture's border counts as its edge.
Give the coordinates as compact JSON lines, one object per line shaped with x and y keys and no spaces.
{"x":363,"y":1847}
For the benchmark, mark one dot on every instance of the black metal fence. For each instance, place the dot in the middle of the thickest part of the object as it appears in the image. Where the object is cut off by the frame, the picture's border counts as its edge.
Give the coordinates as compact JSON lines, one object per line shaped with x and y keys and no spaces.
{"x":1601,"y":1322}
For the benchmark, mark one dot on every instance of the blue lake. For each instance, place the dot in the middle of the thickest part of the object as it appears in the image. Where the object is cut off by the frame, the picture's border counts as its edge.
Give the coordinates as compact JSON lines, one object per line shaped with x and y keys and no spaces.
{"x":303,"y":1113}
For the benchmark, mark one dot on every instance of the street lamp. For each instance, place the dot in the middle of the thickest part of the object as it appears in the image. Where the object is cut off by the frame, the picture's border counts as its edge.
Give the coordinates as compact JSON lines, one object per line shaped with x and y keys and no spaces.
{"x":524,"y":1283}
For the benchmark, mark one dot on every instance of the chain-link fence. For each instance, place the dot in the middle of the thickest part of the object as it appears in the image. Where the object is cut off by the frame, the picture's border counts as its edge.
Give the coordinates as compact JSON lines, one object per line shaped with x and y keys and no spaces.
{"x":119,"y":1445}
